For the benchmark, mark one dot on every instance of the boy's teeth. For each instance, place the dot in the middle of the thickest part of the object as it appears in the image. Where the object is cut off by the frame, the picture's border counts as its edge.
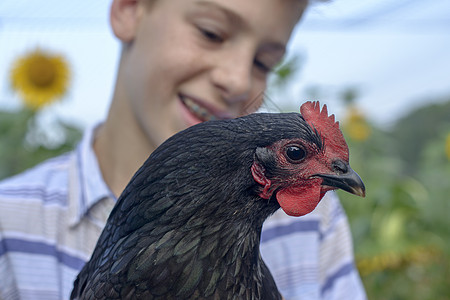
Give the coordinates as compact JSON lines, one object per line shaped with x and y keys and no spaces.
{"x":198,"y":110}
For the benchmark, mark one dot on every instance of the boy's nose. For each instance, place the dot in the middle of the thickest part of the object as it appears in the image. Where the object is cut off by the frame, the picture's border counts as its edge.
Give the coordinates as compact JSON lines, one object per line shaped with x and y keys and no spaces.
{"x":233,"y":77}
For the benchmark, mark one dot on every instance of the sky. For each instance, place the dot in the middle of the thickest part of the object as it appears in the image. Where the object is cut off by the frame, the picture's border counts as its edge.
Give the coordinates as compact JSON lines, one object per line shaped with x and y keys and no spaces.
{"x":397,"y":55}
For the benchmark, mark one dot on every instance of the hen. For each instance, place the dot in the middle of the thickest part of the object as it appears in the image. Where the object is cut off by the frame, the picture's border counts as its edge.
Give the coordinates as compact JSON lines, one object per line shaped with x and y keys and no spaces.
{"x":188,"y":224}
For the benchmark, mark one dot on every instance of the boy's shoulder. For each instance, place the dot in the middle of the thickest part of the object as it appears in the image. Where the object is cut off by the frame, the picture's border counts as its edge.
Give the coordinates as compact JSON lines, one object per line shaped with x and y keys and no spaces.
{"x":48,"y":181}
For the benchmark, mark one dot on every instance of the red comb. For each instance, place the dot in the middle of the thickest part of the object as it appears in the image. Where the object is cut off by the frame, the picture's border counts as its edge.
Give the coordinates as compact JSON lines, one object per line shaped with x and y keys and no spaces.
{"x":312,"y":114}
{"x":325,"y":125}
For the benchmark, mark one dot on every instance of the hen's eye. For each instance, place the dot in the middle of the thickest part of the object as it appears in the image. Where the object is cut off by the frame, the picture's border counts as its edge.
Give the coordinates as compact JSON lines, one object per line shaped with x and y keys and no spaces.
{"x":295,"y":153}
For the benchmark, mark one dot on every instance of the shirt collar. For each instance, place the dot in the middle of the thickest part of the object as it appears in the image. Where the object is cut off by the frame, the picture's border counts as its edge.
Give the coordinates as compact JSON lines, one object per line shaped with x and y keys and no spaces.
{"x":87,"y":186}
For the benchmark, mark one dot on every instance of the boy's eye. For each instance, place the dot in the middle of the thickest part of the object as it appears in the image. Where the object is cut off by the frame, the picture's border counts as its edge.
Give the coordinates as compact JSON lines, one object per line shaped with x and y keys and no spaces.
{"x":262,"y":67}
{"x":211,"y":36}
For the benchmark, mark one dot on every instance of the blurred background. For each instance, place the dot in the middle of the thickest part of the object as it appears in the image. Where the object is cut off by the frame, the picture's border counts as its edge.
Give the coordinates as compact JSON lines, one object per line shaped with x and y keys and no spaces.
{"x":382,"y":67}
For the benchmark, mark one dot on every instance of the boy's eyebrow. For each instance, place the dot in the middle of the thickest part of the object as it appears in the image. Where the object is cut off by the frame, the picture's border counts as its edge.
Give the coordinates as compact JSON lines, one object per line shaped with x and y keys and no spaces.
{"x":231,"y":15}
{"x":275,"y":47}
{"x":235,"y":18}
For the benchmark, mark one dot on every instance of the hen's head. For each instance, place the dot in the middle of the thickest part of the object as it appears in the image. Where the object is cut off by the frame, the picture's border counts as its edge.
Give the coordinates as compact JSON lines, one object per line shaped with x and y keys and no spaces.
{"x":299,"y":170}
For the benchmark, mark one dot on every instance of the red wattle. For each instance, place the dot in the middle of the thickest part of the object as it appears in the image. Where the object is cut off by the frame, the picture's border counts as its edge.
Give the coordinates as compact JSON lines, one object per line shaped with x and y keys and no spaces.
{"x":300,"y":200}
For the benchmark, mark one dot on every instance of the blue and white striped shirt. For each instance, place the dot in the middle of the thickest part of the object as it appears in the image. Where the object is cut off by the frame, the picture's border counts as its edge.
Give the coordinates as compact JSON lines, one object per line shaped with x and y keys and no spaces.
{"x":52,"y":215}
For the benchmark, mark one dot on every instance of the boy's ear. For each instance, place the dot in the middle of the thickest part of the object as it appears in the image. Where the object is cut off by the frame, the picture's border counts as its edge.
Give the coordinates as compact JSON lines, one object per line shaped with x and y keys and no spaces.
{"x":124,"y":18}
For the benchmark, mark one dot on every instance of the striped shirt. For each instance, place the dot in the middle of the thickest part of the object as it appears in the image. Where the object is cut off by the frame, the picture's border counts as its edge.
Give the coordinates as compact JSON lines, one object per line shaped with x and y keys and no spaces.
{"x":52,"y":215}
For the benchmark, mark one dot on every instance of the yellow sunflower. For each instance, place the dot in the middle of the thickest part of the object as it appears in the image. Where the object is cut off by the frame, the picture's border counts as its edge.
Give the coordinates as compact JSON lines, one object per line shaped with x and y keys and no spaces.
{"x":40,"y":78}
{"x":356,"y":125}
{"x":447,"y":146}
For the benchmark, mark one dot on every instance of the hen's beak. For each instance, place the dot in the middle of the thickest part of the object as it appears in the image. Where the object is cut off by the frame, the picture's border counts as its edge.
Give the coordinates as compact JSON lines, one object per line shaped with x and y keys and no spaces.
{"x":348,"y":181}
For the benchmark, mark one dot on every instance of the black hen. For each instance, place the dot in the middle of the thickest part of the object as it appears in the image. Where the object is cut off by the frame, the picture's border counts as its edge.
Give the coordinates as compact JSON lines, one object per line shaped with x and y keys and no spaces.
{"x":188,"y":224}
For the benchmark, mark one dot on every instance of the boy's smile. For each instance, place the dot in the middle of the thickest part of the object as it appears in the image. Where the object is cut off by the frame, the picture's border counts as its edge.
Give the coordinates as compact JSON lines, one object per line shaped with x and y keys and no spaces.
{"x":201,"y":111}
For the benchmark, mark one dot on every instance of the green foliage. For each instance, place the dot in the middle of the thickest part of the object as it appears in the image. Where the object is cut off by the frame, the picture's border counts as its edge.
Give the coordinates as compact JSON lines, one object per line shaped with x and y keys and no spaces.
{"x":24,"y":144}
{"x":401,"y":229}
{"x":416,"y":130}
{"x":285,"y":71}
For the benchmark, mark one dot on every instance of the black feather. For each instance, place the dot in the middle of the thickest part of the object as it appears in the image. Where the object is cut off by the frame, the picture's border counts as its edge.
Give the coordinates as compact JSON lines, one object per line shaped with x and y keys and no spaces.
{"x":188,"y":224}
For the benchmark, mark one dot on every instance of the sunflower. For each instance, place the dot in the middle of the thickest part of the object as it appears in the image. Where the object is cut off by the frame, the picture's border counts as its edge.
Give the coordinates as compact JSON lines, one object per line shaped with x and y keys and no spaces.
{"x":40,"y":78}
{"x":447,"y":146}
{"x":356,"y":125}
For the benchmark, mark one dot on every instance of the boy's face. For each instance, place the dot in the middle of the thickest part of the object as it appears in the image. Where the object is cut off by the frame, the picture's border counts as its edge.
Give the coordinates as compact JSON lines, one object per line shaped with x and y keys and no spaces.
{"x":194,"y":60}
